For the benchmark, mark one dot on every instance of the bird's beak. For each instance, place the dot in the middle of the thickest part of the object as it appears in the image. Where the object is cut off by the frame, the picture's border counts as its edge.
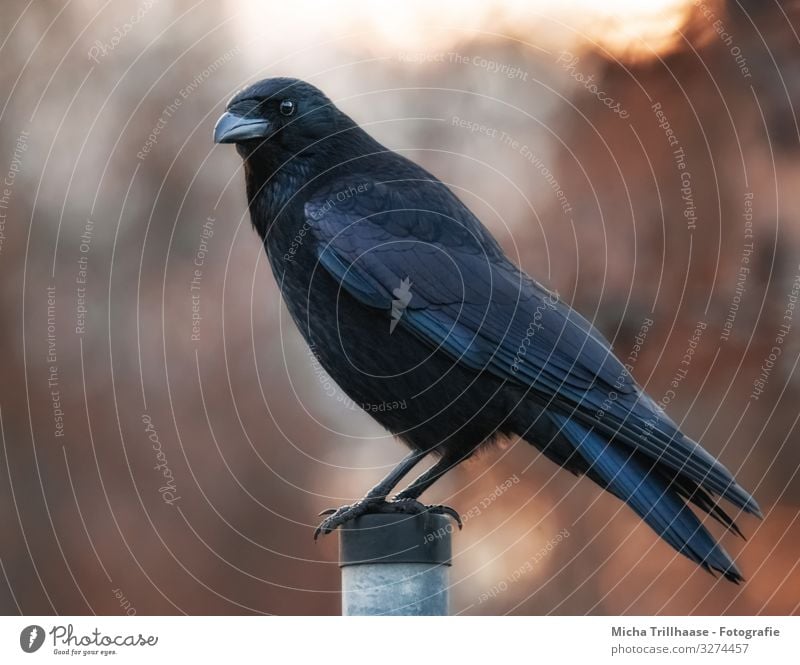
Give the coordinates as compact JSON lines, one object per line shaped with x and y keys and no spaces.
{"x":232,"y":128}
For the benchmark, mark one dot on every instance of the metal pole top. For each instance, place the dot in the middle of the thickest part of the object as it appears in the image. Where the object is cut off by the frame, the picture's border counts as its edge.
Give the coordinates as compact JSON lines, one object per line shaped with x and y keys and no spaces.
{"x":396,"y":538}
{"x":395,"y":564}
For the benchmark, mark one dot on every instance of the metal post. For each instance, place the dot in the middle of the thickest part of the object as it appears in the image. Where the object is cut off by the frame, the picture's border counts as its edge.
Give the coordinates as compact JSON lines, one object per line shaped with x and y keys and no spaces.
{"x":395,"y":564}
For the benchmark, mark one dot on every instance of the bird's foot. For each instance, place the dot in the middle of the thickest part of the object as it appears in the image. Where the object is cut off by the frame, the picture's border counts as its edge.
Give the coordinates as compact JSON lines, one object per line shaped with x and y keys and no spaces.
{"x":413,"y":507}
{"x":336,"y":517}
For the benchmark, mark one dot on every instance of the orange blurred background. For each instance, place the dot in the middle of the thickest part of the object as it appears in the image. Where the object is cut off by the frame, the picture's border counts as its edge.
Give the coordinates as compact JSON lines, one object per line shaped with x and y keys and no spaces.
{"x":167,"y":439}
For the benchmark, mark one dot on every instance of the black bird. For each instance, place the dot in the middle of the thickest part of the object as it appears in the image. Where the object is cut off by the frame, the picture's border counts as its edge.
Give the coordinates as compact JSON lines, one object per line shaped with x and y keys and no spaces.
{"x":412,"y":307}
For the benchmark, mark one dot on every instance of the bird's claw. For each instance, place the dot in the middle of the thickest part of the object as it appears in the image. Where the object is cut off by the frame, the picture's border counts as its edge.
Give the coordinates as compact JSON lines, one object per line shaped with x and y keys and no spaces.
{"x":336,"y":517}
{"x":414,"y":507}
{"x":450,"y":512}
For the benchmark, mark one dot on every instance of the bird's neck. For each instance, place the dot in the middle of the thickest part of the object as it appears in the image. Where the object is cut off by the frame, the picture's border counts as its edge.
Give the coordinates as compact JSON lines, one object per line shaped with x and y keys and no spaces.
{"x":271,"y":189}
{"x":279,"y":182}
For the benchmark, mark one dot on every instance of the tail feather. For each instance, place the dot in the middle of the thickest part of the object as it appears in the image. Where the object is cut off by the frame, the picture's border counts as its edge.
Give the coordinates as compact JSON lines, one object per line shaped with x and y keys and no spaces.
{"x":692,"y":492}
{"x":651,"y":496}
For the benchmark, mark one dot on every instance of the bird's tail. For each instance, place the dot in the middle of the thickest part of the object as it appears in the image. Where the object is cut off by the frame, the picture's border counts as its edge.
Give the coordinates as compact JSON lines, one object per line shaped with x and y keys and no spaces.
{"x":655,"y":499}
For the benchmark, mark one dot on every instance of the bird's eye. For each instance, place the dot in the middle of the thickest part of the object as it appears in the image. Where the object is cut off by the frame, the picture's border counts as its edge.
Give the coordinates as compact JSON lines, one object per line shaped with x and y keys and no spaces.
{"x":287,"y":107}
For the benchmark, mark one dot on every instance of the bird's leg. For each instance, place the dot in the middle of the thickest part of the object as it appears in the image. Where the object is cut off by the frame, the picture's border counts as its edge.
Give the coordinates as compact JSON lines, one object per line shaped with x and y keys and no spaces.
{"x":382,"y":489}
{"x":410,"y":495}
{"x":372,"y":499}
{"x":422,"y":482}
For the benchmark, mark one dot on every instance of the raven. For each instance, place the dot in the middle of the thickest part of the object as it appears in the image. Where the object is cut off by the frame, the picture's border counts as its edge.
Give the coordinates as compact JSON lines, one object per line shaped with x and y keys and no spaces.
{"x":412,"y":307}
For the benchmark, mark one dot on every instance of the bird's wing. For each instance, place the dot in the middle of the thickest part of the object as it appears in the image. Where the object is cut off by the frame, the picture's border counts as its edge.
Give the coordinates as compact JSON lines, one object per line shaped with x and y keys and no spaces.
{"x":414,"y":251}
{"x":465,"y":296}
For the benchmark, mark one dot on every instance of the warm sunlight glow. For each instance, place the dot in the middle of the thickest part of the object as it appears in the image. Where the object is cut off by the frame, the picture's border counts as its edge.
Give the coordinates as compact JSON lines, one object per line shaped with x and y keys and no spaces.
{"x":628,"y":29}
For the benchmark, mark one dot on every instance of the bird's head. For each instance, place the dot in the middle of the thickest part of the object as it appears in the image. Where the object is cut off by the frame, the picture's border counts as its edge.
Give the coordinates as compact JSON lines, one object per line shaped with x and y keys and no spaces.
{"x":279,"y":115}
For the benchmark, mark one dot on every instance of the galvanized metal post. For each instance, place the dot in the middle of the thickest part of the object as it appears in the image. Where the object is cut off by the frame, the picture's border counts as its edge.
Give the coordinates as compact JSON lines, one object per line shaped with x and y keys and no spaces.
{"x":396,"y":564}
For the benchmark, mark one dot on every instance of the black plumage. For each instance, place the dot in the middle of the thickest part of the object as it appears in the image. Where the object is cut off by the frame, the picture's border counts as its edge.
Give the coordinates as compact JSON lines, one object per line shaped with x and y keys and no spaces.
{"x":406,"y":298}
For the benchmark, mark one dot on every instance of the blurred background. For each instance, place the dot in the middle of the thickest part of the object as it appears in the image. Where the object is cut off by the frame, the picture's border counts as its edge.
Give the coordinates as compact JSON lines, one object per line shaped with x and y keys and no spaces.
{"x":167,"y":439}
